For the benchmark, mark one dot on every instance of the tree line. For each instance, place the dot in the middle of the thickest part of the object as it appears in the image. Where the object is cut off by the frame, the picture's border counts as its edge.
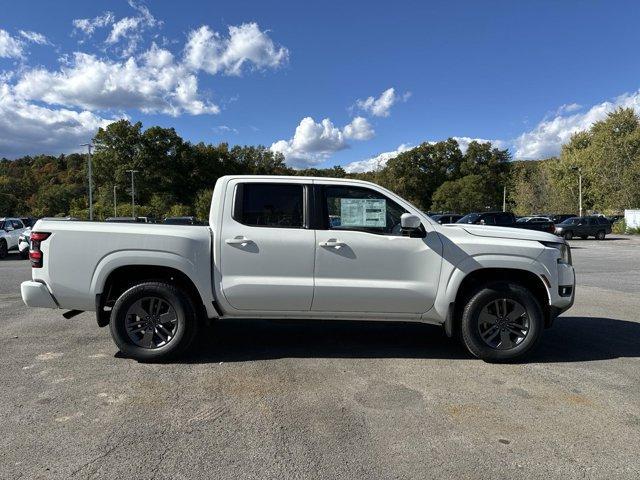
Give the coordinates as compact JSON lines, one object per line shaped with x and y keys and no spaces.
{"x":176,"y":177}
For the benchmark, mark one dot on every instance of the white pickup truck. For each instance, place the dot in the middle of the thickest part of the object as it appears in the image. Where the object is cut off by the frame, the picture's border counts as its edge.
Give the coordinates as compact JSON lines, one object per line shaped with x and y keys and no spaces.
{"x":303,"y":248}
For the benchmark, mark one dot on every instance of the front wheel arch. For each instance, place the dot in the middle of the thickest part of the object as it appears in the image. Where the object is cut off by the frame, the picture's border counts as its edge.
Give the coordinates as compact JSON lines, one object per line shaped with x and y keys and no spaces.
{"x":484,"y":276}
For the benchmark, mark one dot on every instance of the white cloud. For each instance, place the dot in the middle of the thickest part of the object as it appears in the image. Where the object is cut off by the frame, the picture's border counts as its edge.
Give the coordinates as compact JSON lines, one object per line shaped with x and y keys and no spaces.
{"x":34,"y":37}
{"x":221,"y":129}
{"x":26,"y":128}
{"x":359,"y":129}
{"x":246,"y":44}
{"x":154,"y":83}
{"x":568,"y":108}
{"x":89,"y":25}
{"x":550,"y":134}
{"x":130,"y":28}
{"x":381,"y":106}
{"x":312,"y":142}
{"x":464,"y":142}
{"x":10,"y":47}
{"x":375,"y":163}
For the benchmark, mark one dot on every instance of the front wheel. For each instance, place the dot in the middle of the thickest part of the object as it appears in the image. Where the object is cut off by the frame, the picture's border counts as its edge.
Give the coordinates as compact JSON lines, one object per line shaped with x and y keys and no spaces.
{"x":153,"y":321}
{"x":502,"y":322}
{"x":568,"y":235}
{"x":600,"y":235}
{"x":4,"y":251}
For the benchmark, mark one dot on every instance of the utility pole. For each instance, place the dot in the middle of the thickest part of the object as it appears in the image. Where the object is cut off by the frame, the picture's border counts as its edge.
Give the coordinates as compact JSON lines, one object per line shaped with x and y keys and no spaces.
{"x":115,"y":202}
{"x":504,"y":199}
{"x":90,"y":174}
{"x":133,"y":194}
{"x":580,"y":189}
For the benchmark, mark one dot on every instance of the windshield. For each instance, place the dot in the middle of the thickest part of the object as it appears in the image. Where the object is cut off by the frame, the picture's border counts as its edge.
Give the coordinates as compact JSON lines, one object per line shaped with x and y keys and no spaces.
{"x":571,"y":221}
{"x":470,"y":218}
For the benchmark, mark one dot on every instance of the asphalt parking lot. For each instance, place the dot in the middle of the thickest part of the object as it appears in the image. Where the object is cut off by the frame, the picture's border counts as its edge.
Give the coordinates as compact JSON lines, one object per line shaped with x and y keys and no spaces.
{"x":262,"y":399}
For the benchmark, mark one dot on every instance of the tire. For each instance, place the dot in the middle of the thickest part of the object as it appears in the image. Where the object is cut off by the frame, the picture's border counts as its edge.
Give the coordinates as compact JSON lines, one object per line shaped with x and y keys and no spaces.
{"x":568,"y":235}
{"x":24,"y":254}
{"x":506,"y":346}
{"x":144,"y":336}
{"x":4,"y":251}
{"x":600,"y":235}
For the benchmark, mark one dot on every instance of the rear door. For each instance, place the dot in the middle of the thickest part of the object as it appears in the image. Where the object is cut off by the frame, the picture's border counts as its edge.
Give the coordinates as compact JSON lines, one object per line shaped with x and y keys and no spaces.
{"x":267,"y":248}
{"x":363,"y":262}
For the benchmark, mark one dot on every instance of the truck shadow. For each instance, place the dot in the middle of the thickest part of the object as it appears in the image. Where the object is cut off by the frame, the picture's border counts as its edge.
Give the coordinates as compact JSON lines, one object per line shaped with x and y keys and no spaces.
{"x":572,"y":339}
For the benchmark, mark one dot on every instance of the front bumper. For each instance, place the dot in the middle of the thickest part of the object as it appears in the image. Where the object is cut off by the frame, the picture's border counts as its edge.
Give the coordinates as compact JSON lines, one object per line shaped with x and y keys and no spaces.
{"x":36,"y":294}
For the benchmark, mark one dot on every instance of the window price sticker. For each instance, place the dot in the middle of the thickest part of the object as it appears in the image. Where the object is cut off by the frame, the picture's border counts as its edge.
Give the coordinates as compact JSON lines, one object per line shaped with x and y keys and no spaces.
{"x":363,"y":212}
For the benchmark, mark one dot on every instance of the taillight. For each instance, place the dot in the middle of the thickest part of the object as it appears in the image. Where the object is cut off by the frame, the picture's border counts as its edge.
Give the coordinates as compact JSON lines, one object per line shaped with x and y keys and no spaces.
{"x":35,"y":254}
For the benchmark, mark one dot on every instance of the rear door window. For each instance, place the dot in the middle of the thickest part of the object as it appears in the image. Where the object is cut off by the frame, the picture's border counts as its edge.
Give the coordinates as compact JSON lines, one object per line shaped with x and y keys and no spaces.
{"x":278,"y":205}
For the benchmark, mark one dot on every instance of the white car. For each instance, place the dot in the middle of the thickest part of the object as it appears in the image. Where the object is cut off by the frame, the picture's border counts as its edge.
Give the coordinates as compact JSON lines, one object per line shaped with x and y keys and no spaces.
{"x":24,"y":243}
{"x":273,"y":250}
{"x":10,"y":231}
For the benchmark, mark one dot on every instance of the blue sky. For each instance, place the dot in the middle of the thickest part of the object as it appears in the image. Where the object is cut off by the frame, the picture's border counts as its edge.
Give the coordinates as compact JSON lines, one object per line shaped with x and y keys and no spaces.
{"x":313,"y":79}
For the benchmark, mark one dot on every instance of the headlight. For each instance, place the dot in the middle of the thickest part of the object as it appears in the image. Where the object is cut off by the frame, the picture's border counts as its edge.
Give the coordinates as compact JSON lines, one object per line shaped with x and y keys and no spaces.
{"x":563,"y":248}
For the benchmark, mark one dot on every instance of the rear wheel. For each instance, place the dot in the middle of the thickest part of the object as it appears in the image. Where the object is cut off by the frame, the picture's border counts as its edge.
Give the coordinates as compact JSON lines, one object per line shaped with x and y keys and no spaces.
{"x":153,"y":321}
{"x":600,"y":235}
{"x":568,"y":235}
{"x":502,"y":322}
{"x":4,"y":251}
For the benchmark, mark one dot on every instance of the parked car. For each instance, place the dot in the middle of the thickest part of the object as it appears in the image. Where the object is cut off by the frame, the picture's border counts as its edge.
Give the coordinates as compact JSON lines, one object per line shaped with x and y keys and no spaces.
{"x":24,"y":243}
{"x":544,"y":224}
{"x":445,"y":218}
{"x":507,"y":219}
{"x":271,"y":252}
{"x":10,"y":230}
{"x":584,"y":227}
{"x":560,"y":217}
{"x":181,"y":221}
{"x":29,"y":221}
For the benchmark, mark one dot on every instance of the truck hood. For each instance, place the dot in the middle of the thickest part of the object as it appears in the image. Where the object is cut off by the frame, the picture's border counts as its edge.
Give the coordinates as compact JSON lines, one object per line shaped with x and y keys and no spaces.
{"x":506,"y":232}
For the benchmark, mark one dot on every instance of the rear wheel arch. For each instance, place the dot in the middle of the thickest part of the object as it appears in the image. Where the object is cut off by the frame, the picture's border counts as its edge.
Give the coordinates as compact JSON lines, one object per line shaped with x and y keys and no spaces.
{"x":122,"y":278}
{"x":482,"y":277}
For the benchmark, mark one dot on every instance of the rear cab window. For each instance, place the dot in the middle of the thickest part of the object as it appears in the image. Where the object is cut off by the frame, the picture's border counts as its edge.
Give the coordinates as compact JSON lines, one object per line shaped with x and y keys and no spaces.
{"x":276,"y":205}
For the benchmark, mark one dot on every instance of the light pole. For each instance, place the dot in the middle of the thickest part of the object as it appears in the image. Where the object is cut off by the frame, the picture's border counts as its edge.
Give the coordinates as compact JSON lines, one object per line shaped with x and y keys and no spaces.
{"x":133,"y":194}
{"x":115,"y":202}
{"x":504,"y":199}
{"x":90,"y":174}
{"x":579,"y":170}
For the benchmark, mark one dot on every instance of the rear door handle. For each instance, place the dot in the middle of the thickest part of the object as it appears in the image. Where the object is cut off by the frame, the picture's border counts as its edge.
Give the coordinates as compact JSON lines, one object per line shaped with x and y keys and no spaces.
{"x":238,"y":241}
{"x":332,"y":243}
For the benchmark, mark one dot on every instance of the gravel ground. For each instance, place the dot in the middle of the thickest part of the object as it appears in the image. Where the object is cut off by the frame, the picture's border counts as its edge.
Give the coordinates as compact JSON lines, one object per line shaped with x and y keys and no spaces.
{"x":262,"y":399}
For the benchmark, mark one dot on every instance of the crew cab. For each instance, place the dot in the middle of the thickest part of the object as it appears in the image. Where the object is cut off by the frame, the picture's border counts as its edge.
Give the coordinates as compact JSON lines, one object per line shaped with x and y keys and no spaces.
{"x":303,"y":248}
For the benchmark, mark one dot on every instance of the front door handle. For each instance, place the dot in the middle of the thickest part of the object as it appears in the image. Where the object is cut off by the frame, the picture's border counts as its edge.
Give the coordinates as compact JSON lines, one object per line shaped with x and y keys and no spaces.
{"x":238,"y":241}
{"x":332,"y":243}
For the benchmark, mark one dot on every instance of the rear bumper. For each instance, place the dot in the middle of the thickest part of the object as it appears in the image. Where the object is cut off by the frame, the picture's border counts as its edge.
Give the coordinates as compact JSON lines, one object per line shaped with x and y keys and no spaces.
{"x":36,"y":294}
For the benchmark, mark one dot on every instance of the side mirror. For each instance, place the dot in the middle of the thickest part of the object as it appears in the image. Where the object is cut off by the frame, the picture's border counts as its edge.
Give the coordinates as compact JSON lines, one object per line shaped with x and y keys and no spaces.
{"x":409,"y":221}
{"x":410,"y":224}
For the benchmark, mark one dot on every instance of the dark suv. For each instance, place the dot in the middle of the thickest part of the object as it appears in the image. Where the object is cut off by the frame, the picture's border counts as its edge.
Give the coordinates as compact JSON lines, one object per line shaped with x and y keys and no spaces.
{"x":584,"y":227}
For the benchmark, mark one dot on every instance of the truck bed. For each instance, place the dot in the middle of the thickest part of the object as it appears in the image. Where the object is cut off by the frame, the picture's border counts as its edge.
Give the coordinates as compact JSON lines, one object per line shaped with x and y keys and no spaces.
{"x":79,"y":256}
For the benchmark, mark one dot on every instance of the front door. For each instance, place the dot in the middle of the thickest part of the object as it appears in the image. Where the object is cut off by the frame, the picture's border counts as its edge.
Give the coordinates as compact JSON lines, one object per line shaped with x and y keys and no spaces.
{"x":364,"y":263}
{"x":267,"y":251}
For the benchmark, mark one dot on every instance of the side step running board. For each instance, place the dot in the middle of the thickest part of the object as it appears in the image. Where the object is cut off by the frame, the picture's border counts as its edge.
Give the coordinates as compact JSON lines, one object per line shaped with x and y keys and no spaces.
{"x":72,"y":313}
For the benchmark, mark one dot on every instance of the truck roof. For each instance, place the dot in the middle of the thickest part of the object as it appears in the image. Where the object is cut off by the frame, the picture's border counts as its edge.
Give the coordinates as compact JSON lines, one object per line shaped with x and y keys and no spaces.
{"x":296,"y":177}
